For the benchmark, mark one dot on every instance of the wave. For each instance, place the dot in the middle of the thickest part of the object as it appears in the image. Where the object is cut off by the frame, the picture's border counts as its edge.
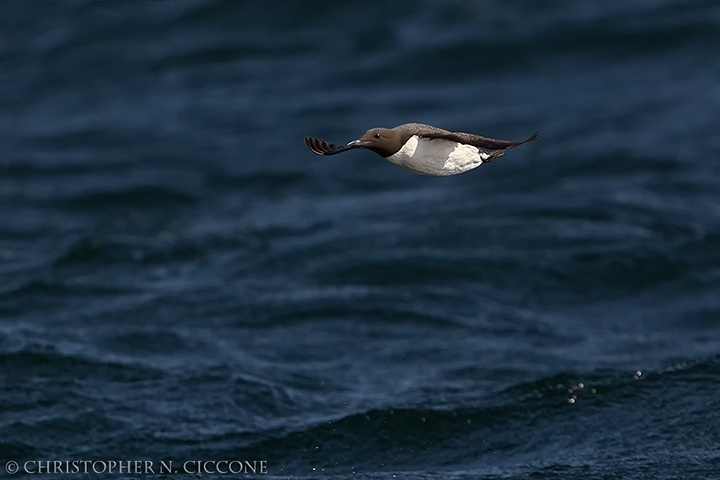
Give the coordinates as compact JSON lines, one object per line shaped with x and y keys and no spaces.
{"x":47,"y":362}
{"x":532,"y":420}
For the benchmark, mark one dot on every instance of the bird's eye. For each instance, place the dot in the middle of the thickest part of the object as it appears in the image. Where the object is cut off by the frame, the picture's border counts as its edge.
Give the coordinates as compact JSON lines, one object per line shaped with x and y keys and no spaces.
{"x":377,"y":135}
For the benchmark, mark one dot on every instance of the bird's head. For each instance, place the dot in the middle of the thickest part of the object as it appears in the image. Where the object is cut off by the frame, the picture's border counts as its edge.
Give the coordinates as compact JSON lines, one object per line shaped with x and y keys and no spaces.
{"x":383,"y":141}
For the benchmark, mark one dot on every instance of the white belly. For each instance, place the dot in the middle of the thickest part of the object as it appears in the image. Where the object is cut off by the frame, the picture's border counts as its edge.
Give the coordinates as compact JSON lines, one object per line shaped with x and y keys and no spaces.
{"x":437,"y":156}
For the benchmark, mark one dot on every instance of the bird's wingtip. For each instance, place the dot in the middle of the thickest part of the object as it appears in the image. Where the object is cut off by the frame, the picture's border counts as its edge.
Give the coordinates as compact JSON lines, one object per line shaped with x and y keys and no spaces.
{"x":313,"y":145}
{"x":323,"y":148}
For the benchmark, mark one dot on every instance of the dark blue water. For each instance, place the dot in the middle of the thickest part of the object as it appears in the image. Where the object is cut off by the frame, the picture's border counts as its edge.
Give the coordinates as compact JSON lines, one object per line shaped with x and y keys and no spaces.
{"x":181,"y":279}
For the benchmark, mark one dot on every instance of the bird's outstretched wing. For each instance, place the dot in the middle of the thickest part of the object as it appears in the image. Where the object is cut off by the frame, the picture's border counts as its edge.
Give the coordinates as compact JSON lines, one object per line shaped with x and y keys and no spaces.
{"x":428,"y":131}
{"x":321,"y":147}
{"x":481,"y":142}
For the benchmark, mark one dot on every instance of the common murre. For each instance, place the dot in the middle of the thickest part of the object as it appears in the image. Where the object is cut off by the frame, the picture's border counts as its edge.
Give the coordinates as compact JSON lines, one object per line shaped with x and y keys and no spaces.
{"x":424,"y":149}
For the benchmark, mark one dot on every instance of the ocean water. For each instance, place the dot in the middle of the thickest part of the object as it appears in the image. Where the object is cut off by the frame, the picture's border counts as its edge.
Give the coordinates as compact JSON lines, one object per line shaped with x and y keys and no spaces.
{"x":182,"y":280}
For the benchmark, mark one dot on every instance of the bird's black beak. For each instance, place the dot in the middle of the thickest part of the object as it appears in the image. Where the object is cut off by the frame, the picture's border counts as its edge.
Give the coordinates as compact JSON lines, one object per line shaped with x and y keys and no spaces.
{"x":357,"y":144}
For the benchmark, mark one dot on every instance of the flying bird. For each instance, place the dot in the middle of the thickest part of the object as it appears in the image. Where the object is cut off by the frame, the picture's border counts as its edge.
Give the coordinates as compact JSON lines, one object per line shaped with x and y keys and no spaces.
{"x":424,"y":149}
